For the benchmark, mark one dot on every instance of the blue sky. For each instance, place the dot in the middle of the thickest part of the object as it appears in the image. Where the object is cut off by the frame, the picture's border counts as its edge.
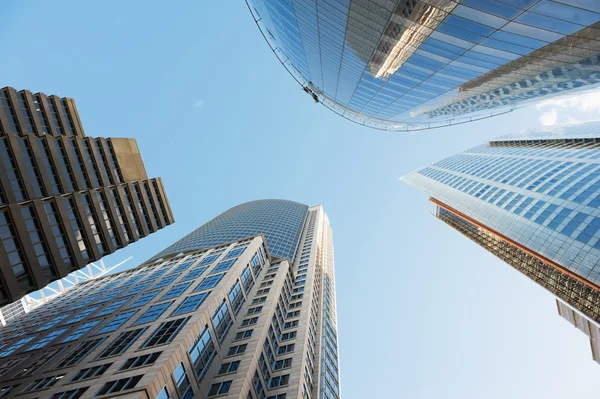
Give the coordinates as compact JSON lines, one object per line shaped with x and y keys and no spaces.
{"x":423,"y":312}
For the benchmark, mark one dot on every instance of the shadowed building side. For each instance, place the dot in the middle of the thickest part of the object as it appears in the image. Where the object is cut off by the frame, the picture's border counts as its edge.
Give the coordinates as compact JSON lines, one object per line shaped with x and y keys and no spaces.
{"x":66,"y":199}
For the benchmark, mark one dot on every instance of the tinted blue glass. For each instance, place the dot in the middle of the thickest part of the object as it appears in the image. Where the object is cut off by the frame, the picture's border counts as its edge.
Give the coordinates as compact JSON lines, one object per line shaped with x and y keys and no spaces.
{"x":153,"y":313}
{"x":372,"y":61}
{"x":551,"y":207}
{"x":280,"y":221}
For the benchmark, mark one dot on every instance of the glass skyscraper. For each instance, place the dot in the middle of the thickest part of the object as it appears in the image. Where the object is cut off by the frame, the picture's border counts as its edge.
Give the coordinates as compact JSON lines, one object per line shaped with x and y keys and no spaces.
{"x":415,"y":64}
{"x":534,"y":201}
{"x":280,"y":221}
{"x":227,"y":320}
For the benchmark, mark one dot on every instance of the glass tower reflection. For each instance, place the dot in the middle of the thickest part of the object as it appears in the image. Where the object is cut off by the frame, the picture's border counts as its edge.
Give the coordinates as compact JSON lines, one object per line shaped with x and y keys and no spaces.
{"x":534,"y":201}
{"x":412,"y":64}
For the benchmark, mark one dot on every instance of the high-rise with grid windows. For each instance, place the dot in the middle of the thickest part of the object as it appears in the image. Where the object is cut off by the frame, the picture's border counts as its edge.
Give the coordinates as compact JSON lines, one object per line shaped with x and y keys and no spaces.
{"x":65,"y":199}
{"x":227,"y":319}
{"x":417,"y":64}
{"x":533,"y":200}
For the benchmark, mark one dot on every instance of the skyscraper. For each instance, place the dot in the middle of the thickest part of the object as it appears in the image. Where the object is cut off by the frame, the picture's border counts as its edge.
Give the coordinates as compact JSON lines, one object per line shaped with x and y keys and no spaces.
{"x":583,"y":324}
{"x":66,"y":199}
{"x":415,"y":64}
{"x":226,"y":319}
{"x":533,"y":200}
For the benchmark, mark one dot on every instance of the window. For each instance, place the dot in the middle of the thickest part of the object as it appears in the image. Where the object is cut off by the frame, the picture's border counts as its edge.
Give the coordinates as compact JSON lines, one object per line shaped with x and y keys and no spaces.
{"x":117,"y":322}
{"x":279,"y":381}
{"x":263,"y":291}
{"x":183,"y":383}
{"x":209,"y":259}
{"x":10,"y":349}
{"x":39,"y":244}
{"x":91,"y":372}
{"x":10,"y":364}
{"x":285,"y":349}
{"x":75,"y":225}
{"x":194,"y":273}
{"x":47,"y":339}
{"x":144,"y":299}
{"x":219,"y":388}
{"x":119,"y":385}
{"x":257,"y":309}
{"x":72,"y":394}
{"x":58,"y":230}
{"x":153,"y":313}
{"x":165,"y":333}
{"x":42,"y":383}
{"x":247,"y":279}
{"x":84,"y":314}
{"x":222,"y":321}
{"x":249,"y":322}
{"x":7,"y":390}
{"x":176,"y":291}
{"x":182,"y":267}
{"x":259,"y":300}
{"x":54,"y":321}
{"x":191,"y":303}
{"x":291,"y":324}
{"x":258,"y":386}
{"x":281,"y":364}
{"x":287,"y":336}
{"x":139,"y":287}
{"x":209,"y":282}
{"x":280,"y":396}
{"x":84,"y":328}
{"x":223,"y":266}
{"x":243,"y":334}
{"x":202,"y":353}
{"x":229,"y":367}
{"x":236,"y":298}
{"x":121,"y":343}
{"x":166,"y":280}
{"x":140,"y":361}
{"x":163,"y":394}
{"x":79,"y":353}
{"x":234,"y":253}
{"x":237,"y":350}
{"x":114,"y":306}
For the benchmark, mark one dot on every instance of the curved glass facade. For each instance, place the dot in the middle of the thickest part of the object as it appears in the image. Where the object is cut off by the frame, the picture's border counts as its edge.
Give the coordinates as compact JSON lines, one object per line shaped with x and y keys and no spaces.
{"x":408,"y":64}
{"x":280,"y":221}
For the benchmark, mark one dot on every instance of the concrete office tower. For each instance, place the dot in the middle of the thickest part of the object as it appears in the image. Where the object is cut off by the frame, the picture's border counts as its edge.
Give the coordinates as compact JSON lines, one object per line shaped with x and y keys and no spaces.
{"x":416,"y":64}
{"x":533,"y":200}
{"x":65,"y":199}
{"x":231,"y":320}
{"x":584,"y":324}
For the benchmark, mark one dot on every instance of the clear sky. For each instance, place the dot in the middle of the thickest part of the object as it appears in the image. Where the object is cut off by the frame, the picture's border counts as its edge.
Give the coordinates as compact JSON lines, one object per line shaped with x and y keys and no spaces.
{"x":423,"y":312}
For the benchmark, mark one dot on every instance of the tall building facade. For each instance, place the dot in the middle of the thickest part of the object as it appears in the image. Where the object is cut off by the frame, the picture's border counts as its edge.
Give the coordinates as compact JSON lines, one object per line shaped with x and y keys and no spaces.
{"x":590,"y":328}
{"x":533,"y":201}
{"x":65,"y":199}
{"x":229,"y":321}
{"x":415,"y":64}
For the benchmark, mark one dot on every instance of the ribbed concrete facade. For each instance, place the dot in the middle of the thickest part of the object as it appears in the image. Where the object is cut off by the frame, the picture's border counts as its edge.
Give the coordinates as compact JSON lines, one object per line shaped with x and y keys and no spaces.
{"x":66,"y":199}
{"x":230,"y":321}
